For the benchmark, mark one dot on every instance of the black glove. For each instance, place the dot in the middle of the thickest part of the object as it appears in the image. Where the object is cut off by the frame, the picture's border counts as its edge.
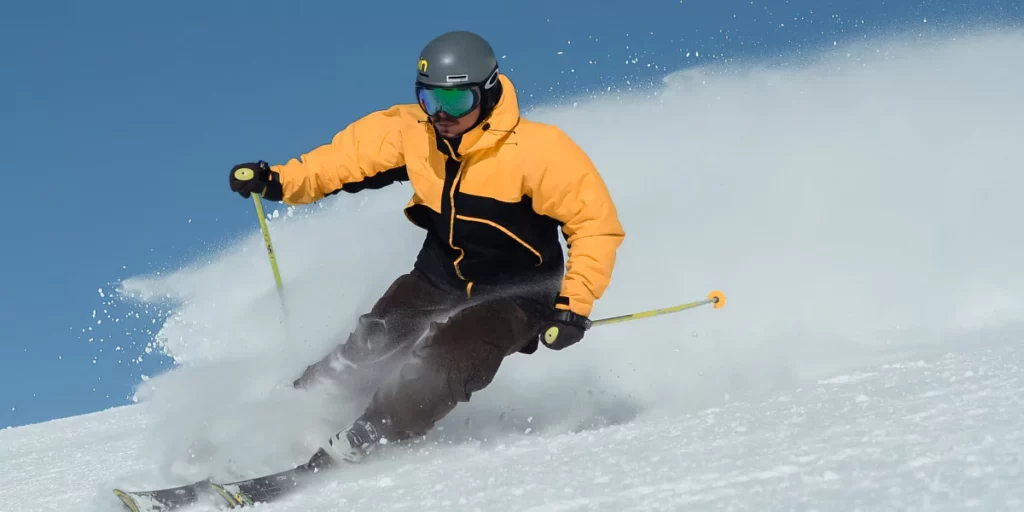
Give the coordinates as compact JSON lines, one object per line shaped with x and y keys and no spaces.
{"x":563,"y":328}
{"x":255,"y":177}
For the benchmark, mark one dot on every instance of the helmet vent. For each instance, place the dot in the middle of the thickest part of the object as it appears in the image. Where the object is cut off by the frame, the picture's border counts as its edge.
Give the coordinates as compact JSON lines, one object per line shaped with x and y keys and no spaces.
{"x":454,"y":79}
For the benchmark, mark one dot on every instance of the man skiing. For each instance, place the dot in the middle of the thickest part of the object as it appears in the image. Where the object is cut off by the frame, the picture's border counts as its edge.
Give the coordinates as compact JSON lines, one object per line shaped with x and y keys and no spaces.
{"x":491,"y":190}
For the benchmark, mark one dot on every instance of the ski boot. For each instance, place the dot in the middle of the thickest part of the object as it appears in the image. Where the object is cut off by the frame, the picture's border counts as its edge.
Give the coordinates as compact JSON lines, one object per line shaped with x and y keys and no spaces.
{"x":352,"y":444}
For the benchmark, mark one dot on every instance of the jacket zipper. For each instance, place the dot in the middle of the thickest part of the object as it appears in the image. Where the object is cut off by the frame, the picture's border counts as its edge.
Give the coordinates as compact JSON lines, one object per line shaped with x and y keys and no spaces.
{"x":451,"y":222}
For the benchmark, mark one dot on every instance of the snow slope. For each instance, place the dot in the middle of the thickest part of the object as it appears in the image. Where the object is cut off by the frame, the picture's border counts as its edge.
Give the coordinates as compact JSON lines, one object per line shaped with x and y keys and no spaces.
{"x":861,"y":211}
{"x":940,"y":433}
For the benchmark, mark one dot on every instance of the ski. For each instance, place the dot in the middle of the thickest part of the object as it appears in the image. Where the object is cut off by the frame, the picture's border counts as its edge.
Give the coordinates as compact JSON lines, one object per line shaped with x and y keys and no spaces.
{"x":262,"y":489}
{"x":173,"y":498}
{"x":267,"y":488}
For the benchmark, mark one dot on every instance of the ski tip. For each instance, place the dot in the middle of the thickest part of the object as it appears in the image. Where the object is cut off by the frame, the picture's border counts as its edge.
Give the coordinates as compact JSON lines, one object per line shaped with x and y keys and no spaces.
{"x":127,"y":500}
{"x":717,"y":298}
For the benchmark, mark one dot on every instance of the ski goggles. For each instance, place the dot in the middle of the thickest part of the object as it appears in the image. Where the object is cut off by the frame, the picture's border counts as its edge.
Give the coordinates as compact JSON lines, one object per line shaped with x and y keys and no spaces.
{"x":454,"y":102}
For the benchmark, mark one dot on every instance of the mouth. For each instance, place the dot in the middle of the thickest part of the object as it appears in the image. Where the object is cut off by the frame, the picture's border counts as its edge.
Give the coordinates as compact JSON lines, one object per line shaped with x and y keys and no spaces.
{"x":444,"y":125}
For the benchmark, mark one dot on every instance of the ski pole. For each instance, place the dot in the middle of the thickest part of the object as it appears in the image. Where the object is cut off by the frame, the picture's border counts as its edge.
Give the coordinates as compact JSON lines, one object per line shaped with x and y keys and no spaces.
{"x":270,"y":252}
{"x":716,"y":297}
{"x":245,"y":174}
{"x":266,"y":241}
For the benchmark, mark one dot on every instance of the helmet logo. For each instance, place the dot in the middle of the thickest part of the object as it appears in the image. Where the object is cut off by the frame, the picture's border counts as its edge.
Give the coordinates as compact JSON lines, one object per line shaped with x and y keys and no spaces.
{"x":423,"y":65}
{"x":491,"y":80}
{"x":455,"y":79}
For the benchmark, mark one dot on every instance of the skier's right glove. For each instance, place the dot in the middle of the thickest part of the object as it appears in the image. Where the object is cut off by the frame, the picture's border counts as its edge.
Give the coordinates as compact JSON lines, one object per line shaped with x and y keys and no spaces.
{"x":563,"y":329}
{"x":256,"y":177}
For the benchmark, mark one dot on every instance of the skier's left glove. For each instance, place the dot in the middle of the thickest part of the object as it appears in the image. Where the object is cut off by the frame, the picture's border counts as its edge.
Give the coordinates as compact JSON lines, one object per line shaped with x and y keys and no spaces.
{"x":563,"y":329}
{"x":256,"y":178}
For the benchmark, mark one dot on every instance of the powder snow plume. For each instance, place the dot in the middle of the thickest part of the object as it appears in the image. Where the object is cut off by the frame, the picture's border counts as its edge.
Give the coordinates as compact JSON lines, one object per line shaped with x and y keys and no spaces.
{"x":854,"y":206}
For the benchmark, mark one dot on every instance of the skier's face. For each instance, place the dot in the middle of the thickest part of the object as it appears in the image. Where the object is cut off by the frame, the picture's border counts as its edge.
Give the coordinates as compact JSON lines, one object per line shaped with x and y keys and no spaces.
{"x":450,"y":127}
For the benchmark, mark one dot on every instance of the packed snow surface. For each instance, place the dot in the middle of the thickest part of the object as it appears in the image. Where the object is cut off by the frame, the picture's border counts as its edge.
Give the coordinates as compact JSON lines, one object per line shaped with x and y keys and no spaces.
{"x":860,"y":209}
{"x":943,"y":432}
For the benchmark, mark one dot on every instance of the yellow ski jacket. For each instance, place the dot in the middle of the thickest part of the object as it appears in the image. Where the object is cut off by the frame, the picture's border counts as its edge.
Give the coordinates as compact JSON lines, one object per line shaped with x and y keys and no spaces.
{"x":491,"y":206}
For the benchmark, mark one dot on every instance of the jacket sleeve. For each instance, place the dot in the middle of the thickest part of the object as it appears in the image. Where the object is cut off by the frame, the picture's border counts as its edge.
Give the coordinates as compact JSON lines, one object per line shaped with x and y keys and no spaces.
{"x":570,"y":190}
{"x":358,"y":157}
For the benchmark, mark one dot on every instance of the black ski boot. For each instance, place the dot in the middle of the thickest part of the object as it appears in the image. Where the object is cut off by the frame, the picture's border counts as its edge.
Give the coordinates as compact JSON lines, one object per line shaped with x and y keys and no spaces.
{"x":352,"y":444}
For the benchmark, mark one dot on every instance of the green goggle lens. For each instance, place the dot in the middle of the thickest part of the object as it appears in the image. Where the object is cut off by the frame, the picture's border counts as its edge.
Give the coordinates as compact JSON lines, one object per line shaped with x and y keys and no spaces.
{"x":454,"y":102}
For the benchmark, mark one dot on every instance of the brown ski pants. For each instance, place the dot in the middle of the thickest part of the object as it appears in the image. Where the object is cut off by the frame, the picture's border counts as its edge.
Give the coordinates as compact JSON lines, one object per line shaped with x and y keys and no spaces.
{"x":423,"y":348}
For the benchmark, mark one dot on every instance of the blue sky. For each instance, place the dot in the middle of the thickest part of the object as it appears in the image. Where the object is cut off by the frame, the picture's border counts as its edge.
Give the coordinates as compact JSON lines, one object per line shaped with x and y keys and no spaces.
{"x":119,"y":121}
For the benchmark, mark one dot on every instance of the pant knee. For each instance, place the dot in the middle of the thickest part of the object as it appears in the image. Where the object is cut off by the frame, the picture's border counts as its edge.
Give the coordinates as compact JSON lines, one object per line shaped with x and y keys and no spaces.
{"x":462,"y":366}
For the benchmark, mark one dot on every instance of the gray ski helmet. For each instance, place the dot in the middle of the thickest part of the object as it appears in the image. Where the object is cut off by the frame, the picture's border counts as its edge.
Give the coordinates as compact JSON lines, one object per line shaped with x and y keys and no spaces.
{"x":458,"y":58}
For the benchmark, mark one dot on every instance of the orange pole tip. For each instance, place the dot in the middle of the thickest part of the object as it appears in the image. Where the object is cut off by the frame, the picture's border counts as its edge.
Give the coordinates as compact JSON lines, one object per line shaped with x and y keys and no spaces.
{"x":718,"y":298}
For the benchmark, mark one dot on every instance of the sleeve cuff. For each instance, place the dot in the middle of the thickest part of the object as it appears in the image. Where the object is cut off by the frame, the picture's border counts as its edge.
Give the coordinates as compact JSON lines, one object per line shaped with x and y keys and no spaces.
{"x":580,"y":308}
{"x":274,"y":190}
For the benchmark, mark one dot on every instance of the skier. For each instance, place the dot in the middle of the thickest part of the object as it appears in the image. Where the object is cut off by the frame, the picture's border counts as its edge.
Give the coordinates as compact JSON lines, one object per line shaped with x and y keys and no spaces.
{"x":491,"y":189}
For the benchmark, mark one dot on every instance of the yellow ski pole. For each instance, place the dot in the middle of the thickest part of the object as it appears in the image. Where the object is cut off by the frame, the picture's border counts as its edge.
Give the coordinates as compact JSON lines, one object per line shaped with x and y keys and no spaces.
{"x":266,"y":240}
{"x":245,"y":174}
{"x":716,"y":297}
